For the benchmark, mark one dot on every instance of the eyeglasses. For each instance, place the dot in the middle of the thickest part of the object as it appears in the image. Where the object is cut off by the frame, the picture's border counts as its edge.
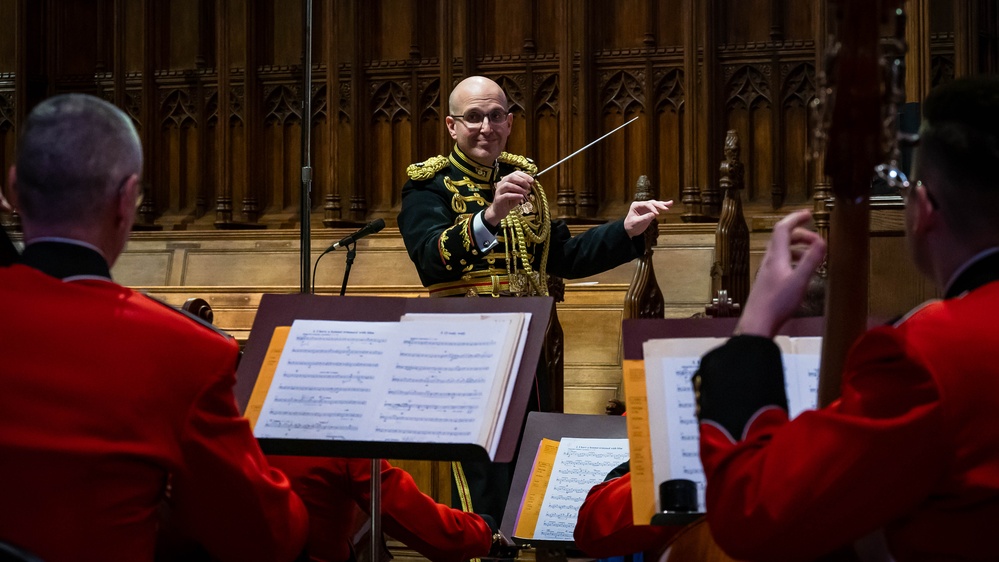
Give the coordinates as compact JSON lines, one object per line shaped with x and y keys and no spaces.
{"x":138,"y":198}
{"x":893,"y":177}
{"x":896,"y":179}
{"x":474,"y":119}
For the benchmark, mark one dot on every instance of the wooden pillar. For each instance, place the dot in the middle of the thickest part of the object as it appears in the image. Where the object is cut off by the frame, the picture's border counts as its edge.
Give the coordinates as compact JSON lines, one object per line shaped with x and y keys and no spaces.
{"x":699,"y":196}
{"x":690,"y":193}
{"x":712,"y":127}
{"x":918,"y":67}
{"x":565,"y":200}
{"x":446,"y":32}
{"x":589,"y":111}
{"x":358,"y":111}
{"x":149,"y":111}
{"x":651,"y":133}
{"x":119,"y":44}
{"x":223,"y":189}
{"x":965,"y":37}
{"x":252,"y":121}
{"x":332,"y":205}
{"x":822,"y":190}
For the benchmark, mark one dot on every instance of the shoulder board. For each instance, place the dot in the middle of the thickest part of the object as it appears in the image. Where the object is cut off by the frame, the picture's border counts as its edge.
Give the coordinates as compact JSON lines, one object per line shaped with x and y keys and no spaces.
{"x":192,"y":317}
{"x":522,"y":162}
{"x":422,"y":171}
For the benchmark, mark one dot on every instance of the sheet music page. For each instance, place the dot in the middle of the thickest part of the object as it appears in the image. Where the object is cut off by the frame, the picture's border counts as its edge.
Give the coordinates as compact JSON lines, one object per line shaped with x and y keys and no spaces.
{"x":670,"y":365}
{"x":579,"y":465}
{"x":517,"y":325}
{"x":801,"y":358}
{"x":384,"y":381}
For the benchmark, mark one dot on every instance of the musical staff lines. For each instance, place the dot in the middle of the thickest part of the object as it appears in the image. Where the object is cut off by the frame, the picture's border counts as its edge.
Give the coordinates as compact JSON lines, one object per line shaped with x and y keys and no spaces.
{"x":579,"y":465}
{"x":419,"y":381}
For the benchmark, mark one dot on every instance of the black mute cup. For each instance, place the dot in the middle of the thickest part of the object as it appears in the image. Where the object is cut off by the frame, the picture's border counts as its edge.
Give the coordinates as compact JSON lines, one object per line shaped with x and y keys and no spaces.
{"x":678,"y":501}
{"x":678,"y":496}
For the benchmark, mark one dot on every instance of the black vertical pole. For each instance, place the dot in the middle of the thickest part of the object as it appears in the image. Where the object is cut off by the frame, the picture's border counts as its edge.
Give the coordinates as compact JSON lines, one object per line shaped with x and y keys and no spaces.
{"x":306,"y":206}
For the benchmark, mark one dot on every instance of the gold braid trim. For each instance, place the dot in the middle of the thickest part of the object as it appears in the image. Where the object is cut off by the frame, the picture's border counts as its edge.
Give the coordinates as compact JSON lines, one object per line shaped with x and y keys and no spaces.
{"x":522,"y":162}
{"x":519,"y":230}
{"x":422,"y":171}
{"x":459,"y":201}
{"x":462,"y":485}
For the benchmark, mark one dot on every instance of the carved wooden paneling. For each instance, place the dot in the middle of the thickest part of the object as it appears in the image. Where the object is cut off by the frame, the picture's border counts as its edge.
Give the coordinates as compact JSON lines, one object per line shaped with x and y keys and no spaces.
{"x":382,"y":72}
{"x":8,"y":141}
{"x":796,"y":174}
{"x":671,"y":119}
{"x":392,"y":128}
{"x":750,"y":111}
{"x":282,"y":145}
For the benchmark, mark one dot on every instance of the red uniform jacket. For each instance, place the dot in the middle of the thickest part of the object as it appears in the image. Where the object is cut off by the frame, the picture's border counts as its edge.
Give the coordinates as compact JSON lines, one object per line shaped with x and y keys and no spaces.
{"x":910,"y":450}
{"x":335,"y":489}
{"x":605,"y":527}
{"x":109,"y":403}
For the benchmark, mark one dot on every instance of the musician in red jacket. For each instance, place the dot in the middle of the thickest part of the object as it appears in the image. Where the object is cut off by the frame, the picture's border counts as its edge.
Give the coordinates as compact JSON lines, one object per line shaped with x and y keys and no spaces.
{"x":337,"y":494}
{"x":112,"y":404}
{"x":906,"y":462}
{"x":605,"y":526}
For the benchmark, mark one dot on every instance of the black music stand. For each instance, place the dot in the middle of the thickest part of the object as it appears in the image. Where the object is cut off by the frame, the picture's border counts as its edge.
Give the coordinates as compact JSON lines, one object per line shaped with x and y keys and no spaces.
{"x":283,"y":310}
{"x":545,"y":425}
{"x":636,"y":331}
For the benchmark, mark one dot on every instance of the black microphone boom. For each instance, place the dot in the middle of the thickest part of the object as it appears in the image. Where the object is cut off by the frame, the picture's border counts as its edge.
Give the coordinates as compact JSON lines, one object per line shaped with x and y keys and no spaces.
{"x":370,"y":228}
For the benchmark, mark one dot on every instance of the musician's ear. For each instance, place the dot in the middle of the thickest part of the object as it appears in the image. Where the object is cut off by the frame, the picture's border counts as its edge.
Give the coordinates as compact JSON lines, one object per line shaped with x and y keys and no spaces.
{"x":926,"y":213}
{"x":450,"y":122}
{"x":10,"y":193}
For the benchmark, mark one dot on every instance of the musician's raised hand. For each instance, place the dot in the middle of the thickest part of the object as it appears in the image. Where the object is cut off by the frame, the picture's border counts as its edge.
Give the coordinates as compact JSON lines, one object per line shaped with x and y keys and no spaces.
{"x":793,"y":254}
{"x":511,"y":190}
{"x":642,"y":213}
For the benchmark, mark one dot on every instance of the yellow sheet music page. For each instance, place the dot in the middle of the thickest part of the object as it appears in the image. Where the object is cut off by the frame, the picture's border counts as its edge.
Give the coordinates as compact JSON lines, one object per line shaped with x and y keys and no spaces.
{"x":534,"y":495}
{"x":267,"y":368}
{"x":643,"y":485}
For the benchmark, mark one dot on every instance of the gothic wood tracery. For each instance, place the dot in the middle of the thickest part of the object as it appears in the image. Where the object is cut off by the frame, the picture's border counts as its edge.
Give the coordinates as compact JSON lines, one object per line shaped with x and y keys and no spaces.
{"x":572,"y":70}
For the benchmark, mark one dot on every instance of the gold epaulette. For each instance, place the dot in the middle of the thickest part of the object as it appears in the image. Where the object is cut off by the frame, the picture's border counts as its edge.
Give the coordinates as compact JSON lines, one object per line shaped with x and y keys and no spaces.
{"x":425,"y":170}
{"x":522,"y":162}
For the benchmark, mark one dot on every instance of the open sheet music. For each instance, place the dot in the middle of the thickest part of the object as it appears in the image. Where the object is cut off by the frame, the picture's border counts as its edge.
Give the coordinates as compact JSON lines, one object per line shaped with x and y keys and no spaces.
{"x":671,"y":429}
{"x":562,"y":475}
{"x":436,"y":379}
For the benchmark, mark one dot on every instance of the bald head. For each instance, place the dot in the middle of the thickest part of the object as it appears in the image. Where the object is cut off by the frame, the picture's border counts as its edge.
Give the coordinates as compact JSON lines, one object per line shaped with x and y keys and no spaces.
{"x":474,"y":87}
{"x":479,"y":120}
{"x":75,"y":152}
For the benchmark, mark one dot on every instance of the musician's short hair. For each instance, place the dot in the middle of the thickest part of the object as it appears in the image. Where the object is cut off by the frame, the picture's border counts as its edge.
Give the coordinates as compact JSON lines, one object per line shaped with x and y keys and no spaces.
{"x":75,"y":151}
{"x":958,"y":152}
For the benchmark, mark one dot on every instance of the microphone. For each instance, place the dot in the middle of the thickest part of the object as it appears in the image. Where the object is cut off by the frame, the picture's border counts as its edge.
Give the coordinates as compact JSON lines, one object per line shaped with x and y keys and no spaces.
{"x":370,"y":228}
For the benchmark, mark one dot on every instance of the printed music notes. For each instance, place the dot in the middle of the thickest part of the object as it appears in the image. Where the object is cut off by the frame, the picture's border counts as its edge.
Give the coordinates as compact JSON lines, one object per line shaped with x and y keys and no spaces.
{"x":663,"y":428}
{"x":432,"y":380}
{"x":562,"y":475}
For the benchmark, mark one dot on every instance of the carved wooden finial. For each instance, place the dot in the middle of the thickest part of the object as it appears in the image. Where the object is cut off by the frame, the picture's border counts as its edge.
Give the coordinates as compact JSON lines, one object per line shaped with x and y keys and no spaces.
{"x":644,"y":299}
{"x":730,"y":271}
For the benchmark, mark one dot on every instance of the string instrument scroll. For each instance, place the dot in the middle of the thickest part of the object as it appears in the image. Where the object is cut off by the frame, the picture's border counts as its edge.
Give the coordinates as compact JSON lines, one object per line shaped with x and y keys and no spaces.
{"x":852,"y":112}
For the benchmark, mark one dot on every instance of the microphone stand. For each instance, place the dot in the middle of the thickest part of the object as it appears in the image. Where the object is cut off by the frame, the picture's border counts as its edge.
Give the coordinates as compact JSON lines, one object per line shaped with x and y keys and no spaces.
{"x":306,"y":243}
{"x":305,"y":201}
{"x":375,"y":484}
{"x":351,"y":253}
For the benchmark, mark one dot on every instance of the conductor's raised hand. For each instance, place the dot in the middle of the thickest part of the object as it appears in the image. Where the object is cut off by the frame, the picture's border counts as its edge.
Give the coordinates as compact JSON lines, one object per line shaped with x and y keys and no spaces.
{"x":793,"y":254}
{"x":511,"y":190}
{"x":642,"y":213}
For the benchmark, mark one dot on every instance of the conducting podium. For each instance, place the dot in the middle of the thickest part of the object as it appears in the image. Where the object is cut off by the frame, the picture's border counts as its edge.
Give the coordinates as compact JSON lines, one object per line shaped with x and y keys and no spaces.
{"x":382,"y":377}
